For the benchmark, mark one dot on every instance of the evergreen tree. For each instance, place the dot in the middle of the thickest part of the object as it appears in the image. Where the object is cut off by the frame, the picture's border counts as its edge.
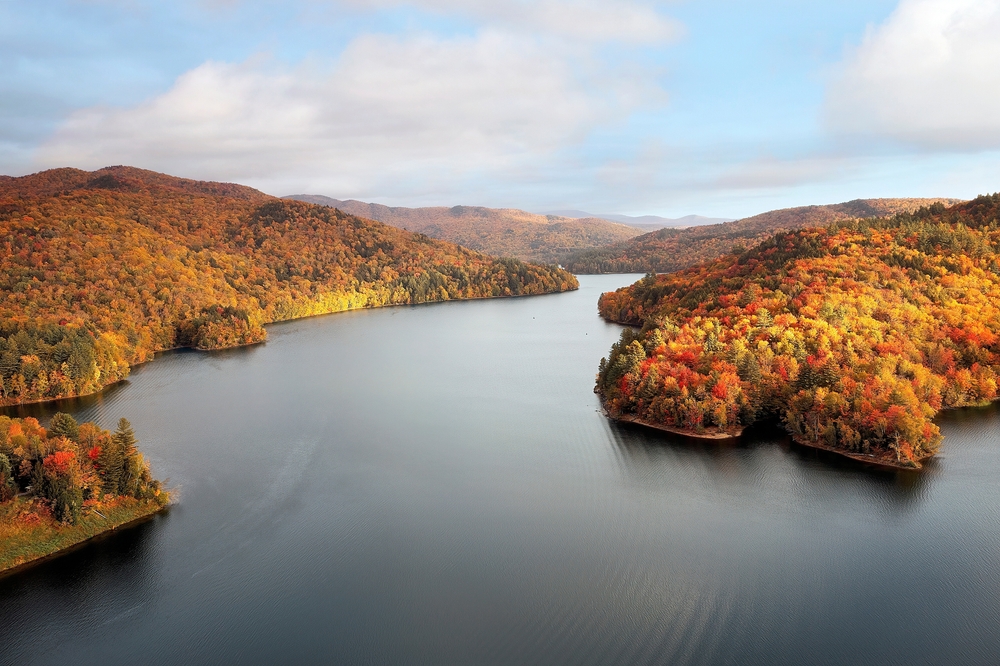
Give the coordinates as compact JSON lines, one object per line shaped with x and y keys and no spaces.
{"x":64,"y":425}
{"x":8,"y":488}
{"x":130,"y":465}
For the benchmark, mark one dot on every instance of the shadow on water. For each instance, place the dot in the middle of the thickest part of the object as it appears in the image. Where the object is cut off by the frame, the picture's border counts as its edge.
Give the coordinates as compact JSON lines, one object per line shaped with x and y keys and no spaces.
{"x":105,"y":555}
{"x":44,"y":410}
{"x":751,"y":456}
{"x":121,"y":566}
{"x":84,"y":404}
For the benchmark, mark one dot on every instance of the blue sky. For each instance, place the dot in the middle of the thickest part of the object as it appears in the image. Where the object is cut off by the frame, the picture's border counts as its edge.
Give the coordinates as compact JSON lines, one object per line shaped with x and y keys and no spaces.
{"x":716,"y":107}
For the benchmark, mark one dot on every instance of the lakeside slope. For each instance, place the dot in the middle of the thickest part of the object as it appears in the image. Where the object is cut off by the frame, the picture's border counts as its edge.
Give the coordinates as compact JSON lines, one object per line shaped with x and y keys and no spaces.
{"x":853,"y":335}
{"x":100,"y":270}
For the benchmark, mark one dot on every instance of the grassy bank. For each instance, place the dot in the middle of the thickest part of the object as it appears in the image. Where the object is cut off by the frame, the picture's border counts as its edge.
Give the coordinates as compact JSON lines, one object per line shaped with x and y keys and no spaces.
{"x":28,"y":531}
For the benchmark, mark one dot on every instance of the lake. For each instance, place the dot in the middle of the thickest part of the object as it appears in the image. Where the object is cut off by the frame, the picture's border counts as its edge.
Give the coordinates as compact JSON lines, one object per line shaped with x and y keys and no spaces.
{"x":436,"y":484}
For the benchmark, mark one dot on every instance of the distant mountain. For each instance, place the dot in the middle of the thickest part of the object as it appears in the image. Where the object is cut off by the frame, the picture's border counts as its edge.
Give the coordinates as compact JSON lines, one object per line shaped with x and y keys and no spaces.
{"x":647,"y":222}
{"x":668,"y":250}
{"x":501,"y":232}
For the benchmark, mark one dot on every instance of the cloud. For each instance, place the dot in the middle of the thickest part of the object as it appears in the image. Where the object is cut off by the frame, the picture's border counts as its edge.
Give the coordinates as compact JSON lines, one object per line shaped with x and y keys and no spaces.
{"x":397,"y":115}
{"x":770,"y":173}
{"x":929,"y":76}
{"x":587,"y":20}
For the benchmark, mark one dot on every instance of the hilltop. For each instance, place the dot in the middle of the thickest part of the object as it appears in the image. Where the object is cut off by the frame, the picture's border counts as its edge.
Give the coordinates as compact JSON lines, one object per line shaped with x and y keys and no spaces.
{"x":647,"y":223}
{"x":853,"y":335}
{"x":501,"y":232}
{"x":668,"y":250}
{"x":100,"y":270}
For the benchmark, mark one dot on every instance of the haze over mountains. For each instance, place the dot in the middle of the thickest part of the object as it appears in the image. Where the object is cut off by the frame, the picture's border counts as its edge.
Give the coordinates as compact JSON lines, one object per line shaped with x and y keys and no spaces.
{"x":646,"y":222}
{"x":600,"y":245}
{"x":505,"y":232}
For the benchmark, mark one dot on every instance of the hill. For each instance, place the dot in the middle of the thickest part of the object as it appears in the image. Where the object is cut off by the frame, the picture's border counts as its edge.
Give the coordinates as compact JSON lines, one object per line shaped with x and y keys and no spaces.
{"x":501,"y":232}
{"x":100,"y":270}
{"x":647,"y":223}
{"x":853,"y":335}
{"x":669,"y":250}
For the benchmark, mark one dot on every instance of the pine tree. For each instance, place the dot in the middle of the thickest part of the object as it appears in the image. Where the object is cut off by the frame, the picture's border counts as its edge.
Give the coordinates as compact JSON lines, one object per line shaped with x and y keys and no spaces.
{"x":64,"y":425}
{"x":130,"y":465}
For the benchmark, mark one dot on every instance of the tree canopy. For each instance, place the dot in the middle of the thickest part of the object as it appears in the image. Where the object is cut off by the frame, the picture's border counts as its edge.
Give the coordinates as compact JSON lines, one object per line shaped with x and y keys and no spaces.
{"x":854,"y":335}
{"x":100,"y":270}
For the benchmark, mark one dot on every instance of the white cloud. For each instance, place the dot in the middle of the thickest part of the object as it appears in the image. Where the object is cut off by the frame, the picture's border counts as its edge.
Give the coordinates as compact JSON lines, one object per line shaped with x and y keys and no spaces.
{"x":930,"y":75}
{"x":588,"y":20}
{"x":391,"y":115}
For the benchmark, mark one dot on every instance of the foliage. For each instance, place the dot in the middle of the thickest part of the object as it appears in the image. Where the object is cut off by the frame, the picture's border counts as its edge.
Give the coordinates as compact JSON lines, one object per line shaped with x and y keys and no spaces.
{"x":668,"y":250}
{"x":66,"y":472}
{"x":501,"y":232}
{"x":101,"y":270}
{"x":854,"y":335}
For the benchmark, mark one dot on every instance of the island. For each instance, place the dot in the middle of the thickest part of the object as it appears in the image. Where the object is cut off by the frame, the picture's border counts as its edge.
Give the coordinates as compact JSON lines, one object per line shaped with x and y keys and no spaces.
{"x":852,"y":336}
{"x":66,"y":484}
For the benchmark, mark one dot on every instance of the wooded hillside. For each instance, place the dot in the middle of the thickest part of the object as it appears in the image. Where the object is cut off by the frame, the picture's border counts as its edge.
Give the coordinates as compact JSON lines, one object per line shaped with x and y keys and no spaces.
{"x":853,"y":335}
{"x":98,"y":271}
{"x":501,"y":232}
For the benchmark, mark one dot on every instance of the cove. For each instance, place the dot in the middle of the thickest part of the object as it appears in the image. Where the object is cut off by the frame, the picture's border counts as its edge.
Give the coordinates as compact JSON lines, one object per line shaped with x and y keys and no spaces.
{"x":437,"y":484}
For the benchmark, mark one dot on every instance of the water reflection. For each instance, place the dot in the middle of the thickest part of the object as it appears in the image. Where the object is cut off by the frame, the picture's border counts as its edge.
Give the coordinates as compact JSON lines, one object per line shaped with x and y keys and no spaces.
{"x":93,"y":586}
{"x":752,"y":457}
{"x":437,"y":485}
{"x":44,"y":410}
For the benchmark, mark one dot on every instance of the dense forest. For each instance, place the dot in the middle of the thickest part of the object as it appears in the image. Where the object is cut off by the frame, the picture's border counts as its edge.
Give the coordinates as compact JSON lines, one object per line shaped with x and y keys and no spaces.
{"x":853,"y":335}
{"x":100,"y":270}
{"x":668,"y":250}
{"x":502,"y":232}
{"x":64,"y":484}
{"x":70,"y":468}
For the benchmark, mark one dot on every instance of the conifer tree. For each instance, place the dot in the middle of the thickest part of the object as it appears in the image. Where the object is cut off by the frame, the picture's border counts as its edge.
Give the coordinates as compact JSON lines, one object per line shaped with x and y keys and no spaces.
{"x":64,"y":425}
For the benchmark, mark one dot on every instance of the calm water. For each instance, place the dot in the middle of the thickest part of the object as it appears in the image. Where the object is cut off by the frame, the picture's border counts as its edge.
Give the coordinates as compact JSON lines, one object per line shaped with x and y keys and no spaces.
{"x":436,"y":485}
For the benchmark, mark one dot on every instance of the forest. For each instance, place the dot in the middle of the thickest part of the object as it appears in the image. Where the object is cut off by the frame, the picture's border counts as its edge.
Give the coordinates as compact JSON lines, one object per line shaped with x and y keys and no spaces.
{"x":669,"y":250}
{"x":502,"y":232}
{"x":63,"y":484}
{"x":853,"y":336}
{"x":101,"y":270}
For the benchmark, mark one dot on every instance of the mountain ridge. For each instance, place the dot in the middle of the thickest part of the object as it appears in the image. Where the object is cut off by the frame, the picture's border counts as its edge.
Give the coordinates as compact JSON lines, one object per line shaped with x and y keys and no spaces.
{"x":668,"y":250}
{"x":497,"y":231}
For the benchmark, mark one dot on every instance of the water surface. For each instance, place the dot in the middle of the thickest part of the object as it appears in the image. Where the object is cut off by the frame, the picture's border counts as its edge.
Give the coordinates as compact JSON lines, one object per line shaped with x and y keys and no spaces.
{"x":435,"y":484}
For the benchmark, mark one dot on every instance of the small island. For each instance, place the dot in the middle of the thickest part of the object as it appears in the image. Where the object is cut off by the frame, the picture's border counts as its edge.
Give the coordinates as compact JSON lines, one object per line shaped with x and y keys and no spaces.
{"x":68,"y":483}
{"x":852,"y":336}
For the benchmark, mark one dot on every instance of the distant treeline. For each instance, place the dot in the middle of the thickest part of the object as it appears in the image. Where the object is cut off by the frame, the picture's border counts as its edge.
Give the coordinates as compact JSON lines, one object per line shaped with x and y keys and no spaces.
{"x":669,"y":250}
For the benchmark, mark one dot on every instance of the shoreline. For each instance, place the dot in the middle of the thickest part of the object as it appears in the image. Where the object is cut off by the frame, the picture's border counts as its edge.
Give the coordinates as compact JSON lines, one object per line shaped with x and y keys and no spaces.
{"x":15,"y":405}
{"x":66,"y":543}
{"x":717,"y":436}
{"x":737,"y":433}
{"x":869,"y":459}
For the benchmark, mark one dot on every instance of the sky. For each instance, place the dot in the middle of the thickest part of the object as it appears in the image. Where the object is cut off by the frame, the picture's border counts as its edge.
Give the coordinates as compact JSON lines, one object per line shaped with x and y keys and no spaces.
{"x":714,"y":107}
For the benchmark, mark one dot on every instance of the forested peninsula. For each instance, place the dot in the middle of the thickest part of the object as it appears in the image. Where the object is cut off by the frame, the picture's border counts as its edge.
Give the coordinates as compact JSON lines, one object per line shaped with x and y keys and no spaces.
{"x":65,"y":484}
{"x":101,"y":270}
{"x":854,"y":335}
